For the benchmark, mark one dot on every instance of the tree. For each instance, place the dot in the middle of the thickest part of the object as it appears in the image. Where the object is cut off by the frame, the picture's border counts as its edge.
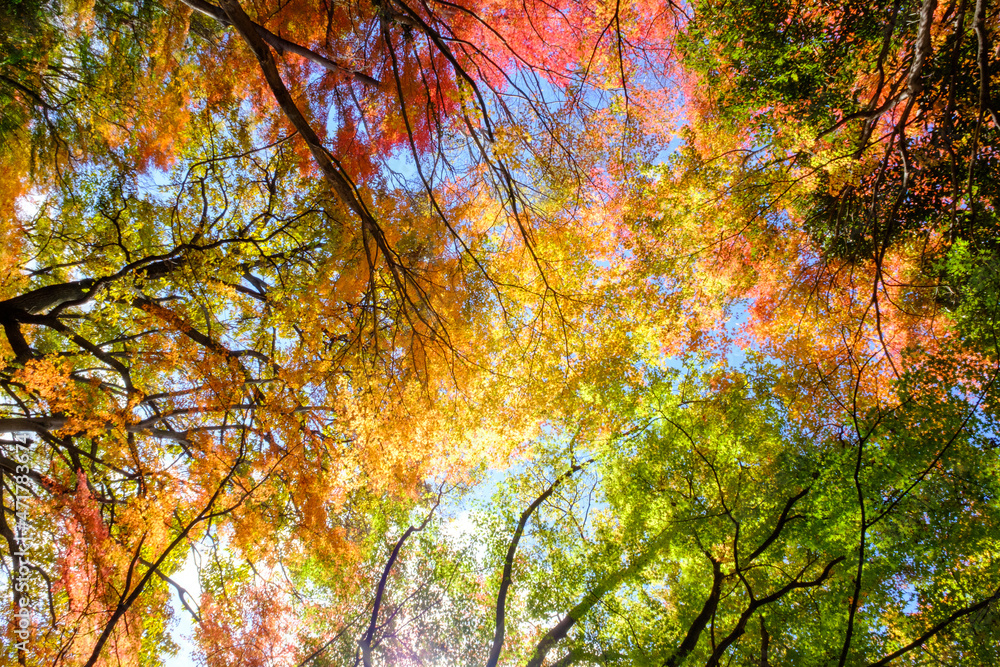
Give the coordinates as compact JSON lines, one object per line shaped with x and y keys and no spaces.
{"x":711,"y":526}
{"x":207,"y":344}
{"x":289,"y":278}
{"x":860,"y":133}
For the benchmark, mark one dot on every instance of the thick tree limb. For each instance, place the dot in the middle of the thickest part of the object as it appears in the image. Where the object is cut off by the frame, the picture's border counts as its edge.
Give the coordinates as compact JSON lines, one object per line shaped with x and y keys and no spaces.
{"x":44,"y":299}
{"x":922,"y":49}
{"x":916,"y":643}
{"x":783,"y":520}
{"x":333,"y":172}
{"x":43,"y":425}
{"x":707,"y":611}
{"x":983,"y":61}
{"x":280,"y":44}
{"x":508,"y":565}
{"x":765,"y":643}
{"x":741,"y":624}
{"x":366,"y":641}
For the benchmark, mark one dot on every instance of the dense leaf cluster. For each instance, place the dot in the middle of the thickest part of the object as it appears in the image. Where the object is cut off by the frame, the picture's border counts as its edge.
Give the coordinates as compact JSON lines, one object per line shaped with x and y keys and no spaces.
{"x":418,"y":332}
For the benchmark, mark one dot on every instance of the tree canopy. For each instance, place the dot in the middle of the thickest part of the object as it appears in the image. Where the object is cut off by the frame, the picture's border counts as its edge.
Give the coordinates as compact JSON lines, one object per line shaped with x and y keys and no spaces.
{"x":420,"y":332}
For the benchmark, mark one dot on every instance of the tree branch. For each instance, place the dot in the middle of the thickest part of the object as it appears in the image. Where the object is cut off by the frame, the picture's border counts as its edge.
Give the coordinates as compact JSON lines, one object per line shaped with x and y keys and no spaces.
{"x":916,"y":643}
{"x":508,"y":566}
{"x":559,"y":631}
{"x":707,"y":611}
{"x":366,"y":641}
{"x":280,"y":44}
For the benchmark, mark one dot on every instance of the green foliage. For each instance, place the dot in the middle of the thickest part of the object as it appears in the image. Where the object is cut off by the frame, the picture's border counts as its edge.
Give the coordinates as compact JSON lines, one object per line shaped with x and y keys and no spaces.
{"x":703,"y":476}
{"x":974,"y":288}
